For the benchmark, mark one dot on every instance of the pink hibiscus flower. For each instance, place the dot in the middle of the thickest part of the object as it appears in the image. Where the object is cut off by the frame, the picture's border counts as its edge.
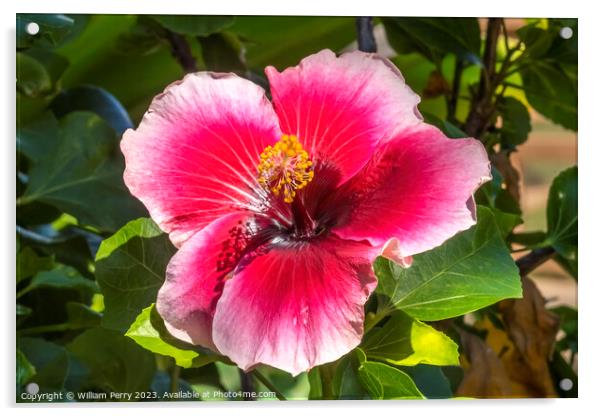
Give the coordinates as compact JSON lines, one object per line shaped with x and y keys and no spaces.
{"x":279,"y":209}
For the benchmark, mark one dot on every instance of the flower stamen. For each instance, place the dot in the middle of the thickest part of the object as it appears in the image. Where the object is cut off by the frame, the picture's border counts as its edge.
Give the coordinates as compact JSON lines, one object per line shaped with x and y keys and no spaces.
{"x":285,"y":168}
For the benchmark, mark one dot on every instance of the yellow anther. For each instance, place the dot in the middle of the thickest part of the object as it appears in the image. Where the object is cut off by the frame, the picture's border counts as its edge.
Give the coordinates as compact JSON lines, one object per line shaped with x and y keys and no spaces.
{"x":285,"y":168}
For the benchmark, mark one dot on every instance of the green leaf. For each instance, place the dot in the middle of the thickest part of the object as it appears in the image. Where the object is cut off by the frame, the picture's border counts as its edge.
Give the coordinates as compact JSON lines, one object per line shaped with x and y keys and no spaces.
{"x":37,"y":138}
{"x":283,"y":41}
{"x":433,"y":37}
{"x":23,"y":310}
{"x":569,"y":325}
{"x":33,"y":79}
{"x":50,"y":361}
{"x":29,"y":263}
{"x":53,"y":29}
{"x":69,"y":247}
{"x":384,"y":382}
{"x":404,"y":340}
{"x":115,"y":362}
{"x":130,"y":269}
{"x":25,"y":370}
{"x":93,"y":56}
{"x":82,"y":316}
{"x":315,"y":384}
{"x":339,"y":379}
{"x":450,"y":130}
{"x":83,"y":175}
{"x":537,"y":40}
{"x":222,"y":53}
{"x":551,"y":89}
{"x":194,"y":25}
{"x":516,"y":123}
{"x":468,"y":272}
{"x":61,"y":277}
{"x":564,"y":50}
{"x":95,"y":100}
{"x":506,"y":221}
{"x":141,"y":39}
{"x":562,"y":215}
{"x":431,"y":381}
{"x":148,"y":330}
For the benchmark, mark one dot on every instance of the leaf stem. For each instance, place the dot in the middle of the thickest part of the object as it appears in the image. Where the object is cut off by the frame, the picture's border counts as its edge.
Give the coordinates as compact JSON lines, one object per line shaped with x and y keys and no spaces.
{"x":44,"y":328}
{"x":374,"y":318}
{"x":264,"y":380}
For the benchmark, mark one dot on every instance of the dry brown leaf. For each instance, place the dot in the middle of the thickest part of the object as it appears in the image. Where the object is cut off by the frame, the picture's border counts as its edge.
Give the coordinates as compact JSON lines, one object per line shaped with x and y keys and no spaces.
{"x":436,"y":85}
{"x":484,"y":374}
{"x":532,"y":329}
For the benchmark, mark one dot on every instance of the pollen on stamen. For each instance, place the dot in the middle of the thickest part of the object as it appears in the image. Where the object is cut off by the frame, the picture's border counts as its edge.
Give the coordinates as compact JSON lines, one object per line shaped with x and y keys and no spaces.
{"x":285,"y":168}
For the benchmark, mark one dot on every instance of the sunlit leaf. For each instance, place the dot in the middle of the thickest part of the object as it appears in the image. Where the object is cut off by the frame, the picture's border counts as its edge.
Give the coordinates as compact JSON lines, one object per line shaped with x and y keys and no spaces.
{"x":404,"y":340}
{"x":148,"y":330}
{"x":469,"y":271}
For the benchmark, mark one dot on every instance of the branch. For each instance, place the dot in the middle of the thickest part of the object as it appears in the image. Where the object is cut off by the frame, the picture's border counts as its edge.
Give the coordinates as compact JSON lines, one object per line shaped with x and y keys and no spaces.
{"x":452,"y":103}
{"x":181,"y":51}
{"x":482,"y":109}
{"x":365,"y":34}
{"x":529,"y":262}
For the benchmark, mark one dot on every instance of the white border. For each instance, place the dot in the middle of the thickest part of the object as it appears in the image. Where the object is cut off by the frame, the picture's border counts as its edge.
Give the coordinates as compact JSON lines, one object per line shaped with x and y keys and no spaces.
{"x":590,"y":161}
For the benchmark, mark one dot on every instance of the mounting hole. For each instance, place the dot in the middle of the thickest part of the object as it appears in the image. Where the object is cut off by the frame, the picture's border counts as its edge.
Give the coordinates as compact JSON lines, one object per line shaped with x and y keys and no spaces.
{"x":566,"y":384}
{"x":566,"y":32}
{"x":32,"y":28}
{"x":32,"y":388}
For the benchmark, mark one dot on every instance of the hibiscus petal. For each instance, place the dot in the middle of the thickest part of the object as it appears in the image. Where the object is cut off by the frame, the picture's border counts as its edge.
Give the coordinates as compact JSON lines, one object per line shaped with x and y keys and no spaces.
{"x":340,"y":108}
{"x":417,"y":189}
{"x":193,"y":157}
{"x":195,"y":277}
{"x":295,"y":307}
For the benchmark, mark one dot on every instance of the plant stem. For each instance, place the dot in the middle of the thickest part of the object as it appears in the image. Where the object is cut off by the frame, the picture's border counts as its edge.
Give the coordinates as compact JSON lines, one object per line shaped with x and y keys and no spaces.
{"x":529,"y":262}
{"x":481,"y":110}
{"x":452,"y":102}
{"x":263,"y":380}
{"x":365,"y":34}
{"x":374,"y":318}
{"x":180,"y":49}
{"x":246,"y":384}
{"x":174,"y":380}
{"x":45,"y":328}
